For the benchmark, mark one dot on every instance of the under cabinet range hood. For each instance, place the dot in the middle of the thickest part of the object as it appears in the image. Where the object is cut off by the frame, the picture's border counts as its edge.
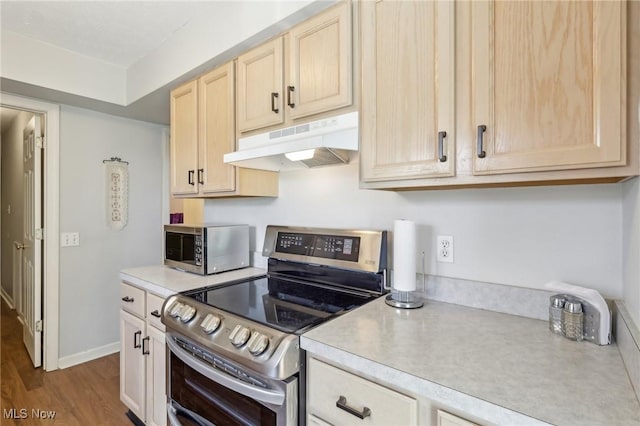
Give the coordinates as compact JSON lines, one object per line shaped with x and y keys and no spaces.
{"x":318,"y":143}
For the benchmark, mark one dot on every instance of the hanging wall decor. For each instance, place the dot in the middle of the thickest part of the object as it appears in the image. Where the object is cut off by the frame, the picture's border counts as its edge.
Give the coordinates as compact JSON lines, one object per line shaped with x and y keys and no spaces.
{"x":117,"y":192}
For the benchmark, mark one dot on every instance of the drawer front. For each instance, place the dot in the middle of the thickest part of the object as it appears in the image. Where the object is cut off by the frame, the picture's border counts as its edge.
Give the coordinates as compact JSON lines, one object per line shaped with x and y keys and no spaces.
{"x":154,"y":308}
{"x":338,"y":397}
{"x":132,"y":299}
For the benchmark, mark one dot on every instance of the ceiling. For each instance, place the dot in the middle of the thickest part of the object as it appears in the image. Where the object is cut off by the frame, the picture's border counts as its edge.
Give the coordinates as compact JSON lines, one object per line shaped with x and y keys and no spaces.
{"x":116,"y":32}
{"x":123,"y":34}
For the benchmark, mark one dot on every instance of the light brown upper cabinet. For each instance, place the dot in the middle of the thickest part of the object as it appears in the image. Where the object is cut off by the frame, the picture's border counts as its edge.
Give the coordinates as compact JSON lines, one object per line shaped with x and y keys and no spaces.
{"x":260,"y":79}
{"x":202,"y":131}
{"x":317,"y":57}
{"x":539,"y":95}
{"x":184,"y":138}
{"x":408,"y":100}
{"x":548,"y":85}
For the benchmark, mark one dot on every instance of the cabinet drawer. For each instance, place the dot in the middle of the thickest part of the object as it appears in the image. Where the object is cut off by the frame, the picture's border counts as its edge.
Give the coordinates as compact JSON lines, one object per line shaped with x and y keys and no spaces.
{"x":132,"y":299}
{"x":154,"y":308}
{"x":329,"y":387}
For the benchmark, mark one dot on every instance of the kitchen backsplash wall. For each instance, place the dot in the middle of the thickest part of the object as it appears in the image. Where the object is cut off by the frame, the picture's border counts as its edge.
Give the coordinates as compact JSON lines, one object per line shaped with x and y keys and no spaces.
{"x":631,"y":247}
{"x":89,"y":281}
{"x":515,"y":236}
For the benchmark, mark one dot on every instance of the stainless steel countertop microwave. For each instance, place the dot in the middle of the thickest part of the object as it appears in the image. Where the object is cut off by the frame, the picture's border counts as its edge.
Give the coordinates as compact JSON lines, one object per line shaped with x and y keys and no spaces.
{"x":206,"y":248}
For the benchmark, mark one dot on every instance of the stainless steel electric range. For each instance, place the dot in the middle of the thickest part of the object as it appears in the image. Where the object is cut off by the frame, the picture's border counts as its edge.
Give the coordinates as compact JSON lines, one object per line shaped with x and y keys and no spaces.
{"x":233,"y":350}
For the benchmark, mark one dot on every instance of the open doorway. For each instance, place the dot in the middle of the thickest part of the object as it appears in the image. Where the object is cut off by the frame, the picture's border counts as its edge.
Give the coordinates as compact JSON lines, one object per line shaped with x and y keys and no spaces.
{"x":21,"y":222}
{"x":43,"y":319}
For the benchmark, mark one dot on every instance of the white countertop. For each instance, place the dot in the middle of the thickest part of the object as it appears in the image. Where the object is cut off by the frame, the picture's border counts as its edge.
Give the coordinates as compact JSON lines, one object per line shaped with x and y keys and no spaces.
{"x":498,"y":367}
{"x":164,"y":281}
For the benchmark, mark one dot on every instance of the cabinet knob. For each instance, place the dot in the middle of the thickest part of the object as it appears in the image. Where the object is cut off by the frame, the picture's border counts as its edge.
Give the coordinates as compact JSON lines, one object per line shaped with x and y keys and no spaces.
{"x":274,"y":106}
{"x":190,"y":177}
{"x":128,"y":299}
{"x":201,"y":176}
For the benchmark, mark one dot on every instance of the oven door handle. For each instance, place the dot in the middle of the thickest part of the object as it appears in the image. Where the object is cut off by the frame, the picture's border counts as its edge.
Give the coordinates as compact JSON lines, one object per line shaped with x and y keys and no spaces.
{"x":173,"y":409}
{"x":259,"y":394}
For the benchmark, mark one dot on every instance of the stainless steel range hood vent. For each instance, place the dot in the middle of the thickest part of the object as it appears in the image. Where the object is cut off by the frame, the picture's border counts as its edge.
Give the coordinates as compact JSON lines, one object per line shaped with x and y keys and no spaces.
{"x":319,"y":143}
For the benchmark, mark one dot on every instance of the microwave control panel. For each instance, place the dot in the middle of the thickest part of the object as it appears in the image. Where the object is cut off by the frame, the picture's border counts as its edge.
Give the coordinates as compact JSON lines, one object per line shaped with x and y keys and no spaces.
{"x":198,"y":250}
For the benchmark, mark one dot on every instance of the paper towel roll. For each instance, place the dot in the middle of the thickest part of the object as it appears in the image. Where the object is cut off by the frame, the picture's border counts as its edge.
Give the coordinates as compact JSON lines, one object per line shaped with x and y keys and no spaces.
{"x":404,"y":255}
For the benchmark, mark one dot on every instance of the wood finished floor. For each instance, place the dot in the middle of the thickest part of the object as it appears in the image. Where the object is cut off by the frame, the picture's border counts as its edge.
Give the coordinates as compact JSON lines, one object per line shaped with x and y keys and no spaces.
{"x":85,"y":394}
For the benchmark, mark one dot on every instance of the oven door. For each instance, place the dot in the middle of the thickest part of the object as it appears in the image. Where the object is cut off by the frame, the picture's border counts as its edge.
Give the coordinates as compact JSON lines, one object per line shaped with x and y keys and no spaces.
{"x":204,"y":395}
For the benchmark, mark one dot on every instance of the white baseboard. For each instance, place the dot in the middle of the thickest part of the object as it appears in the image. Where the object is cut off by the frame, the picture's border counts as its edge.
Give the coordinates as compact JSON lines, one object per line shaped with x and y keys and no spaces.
{"x":90,"y":355}
{"x":7,"y":298}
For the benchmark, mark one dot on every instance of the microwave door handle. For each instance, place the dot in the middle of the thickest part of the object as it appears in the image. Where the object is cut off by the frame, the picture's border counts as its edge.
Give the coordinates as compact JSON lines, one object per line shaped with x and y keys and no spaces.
{"x":268,"y":396}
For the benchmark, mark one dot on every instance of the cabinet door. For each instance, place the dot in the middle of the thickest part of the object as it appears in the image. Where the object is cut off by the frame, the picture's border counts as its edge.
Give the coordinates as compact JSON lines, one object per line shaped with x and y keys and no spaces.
{"x":259,"y":86}
{"x":548,"y":79}
{"x":408,"y":93}
{"x":156,"y":377}
{"x":184,"y":139}
{"x":217,"y":130}
{"x":132,"y":372}
{"x":320,"y":71}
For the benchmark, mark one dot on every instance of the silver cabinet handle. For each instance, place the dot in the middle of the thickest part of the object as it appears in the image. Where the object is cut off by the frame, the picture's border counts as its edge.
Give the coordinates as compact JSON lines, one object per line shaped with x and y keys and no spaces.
{"x":341,"y":403}
{"x":441,"y":156}
{"x":127,"y":299}
{"x":136,"y":339}
{"x":145,"y":351}
{"x":156,"y":314}
{"x":479,"y":139}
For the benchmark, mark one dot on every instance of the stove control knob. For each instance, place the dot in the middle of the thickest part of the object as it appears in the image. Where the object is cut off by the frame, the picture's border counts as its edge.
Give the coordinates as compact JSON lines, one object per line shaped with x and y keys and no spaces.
{"x":239,"y":336}
{"x":187,"y":313}
{"x":175,"y":309}
{"x":210,"y":323}
{"x":258,"y":344}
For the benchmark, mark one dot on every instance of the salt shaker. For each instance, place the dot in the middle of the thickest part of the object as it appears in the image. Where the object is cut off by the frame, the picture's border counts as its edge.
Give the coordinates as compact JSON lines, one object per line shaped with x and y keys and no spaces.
{"x":572,"y":320}
{"x":555,"y":313}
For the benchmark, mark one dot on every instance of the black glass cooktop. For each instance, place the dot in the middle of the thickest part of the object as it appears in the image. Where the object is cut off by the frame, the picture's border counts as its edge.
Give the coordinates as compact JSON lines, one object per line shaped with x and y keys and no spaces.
{"x":287,"y":305}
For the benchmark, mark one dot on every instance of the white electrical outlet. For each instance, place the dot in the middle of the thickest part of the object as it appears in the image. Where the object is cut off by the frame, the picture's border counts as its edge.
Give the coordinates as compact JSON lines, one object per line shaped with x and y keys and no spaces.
{"x":444,"y":250}
{"x":69,"y":239}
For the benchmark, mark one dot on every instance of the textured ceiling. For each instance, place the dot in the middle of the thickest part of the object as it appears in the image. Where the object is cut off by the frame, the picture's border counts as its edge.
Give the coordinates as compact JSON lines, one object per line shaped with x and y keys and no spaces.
{"x":117,"y":32}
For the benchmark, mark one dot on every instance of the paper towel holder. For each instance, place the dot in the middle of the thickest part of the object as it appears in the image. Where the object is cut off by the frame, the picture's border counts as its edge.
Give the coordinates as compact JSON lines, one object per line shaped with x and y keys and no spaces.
{"x":406,"y":299}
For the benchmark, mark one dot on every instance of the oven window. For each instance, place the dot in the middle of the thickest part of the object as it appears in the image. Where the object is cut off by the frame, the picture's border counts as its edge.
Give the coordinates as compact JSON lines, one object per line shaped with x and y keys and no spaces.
{"x":180,"y":247}
{"x":213,"y":401}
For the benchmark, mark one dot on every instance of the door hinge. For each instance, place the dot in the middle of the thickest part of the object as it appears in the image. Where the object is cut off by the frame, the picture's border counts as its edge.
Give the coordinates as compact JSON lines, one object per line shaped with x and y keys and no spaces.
{"x":39,"y":234}
{"x":39,"y":326}
{"x":40,"y":142}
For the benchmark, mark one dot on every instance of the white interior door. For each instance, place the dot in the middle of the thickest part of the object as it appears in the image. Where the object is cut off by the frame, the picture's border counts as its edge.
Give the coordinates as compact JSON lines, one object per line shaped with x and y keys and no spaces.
{"x":32,"y":241}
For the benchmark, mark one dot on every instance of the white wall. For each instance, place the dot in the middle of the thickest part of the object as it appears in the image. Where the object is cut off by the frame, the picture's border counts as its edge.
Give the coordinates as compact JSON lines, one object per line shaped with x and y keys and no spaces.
{"x":12,"y":195}
{"x":89,"y":283}
{"x":516,"y":236}
{"x":631,"y":247}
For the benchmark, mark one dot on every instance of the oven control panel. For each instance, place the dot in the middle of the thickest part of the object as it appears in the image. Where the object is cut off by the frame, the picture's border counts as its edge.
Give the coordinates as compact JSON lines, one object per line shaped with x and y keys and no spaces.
{"x":265,"y":350}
